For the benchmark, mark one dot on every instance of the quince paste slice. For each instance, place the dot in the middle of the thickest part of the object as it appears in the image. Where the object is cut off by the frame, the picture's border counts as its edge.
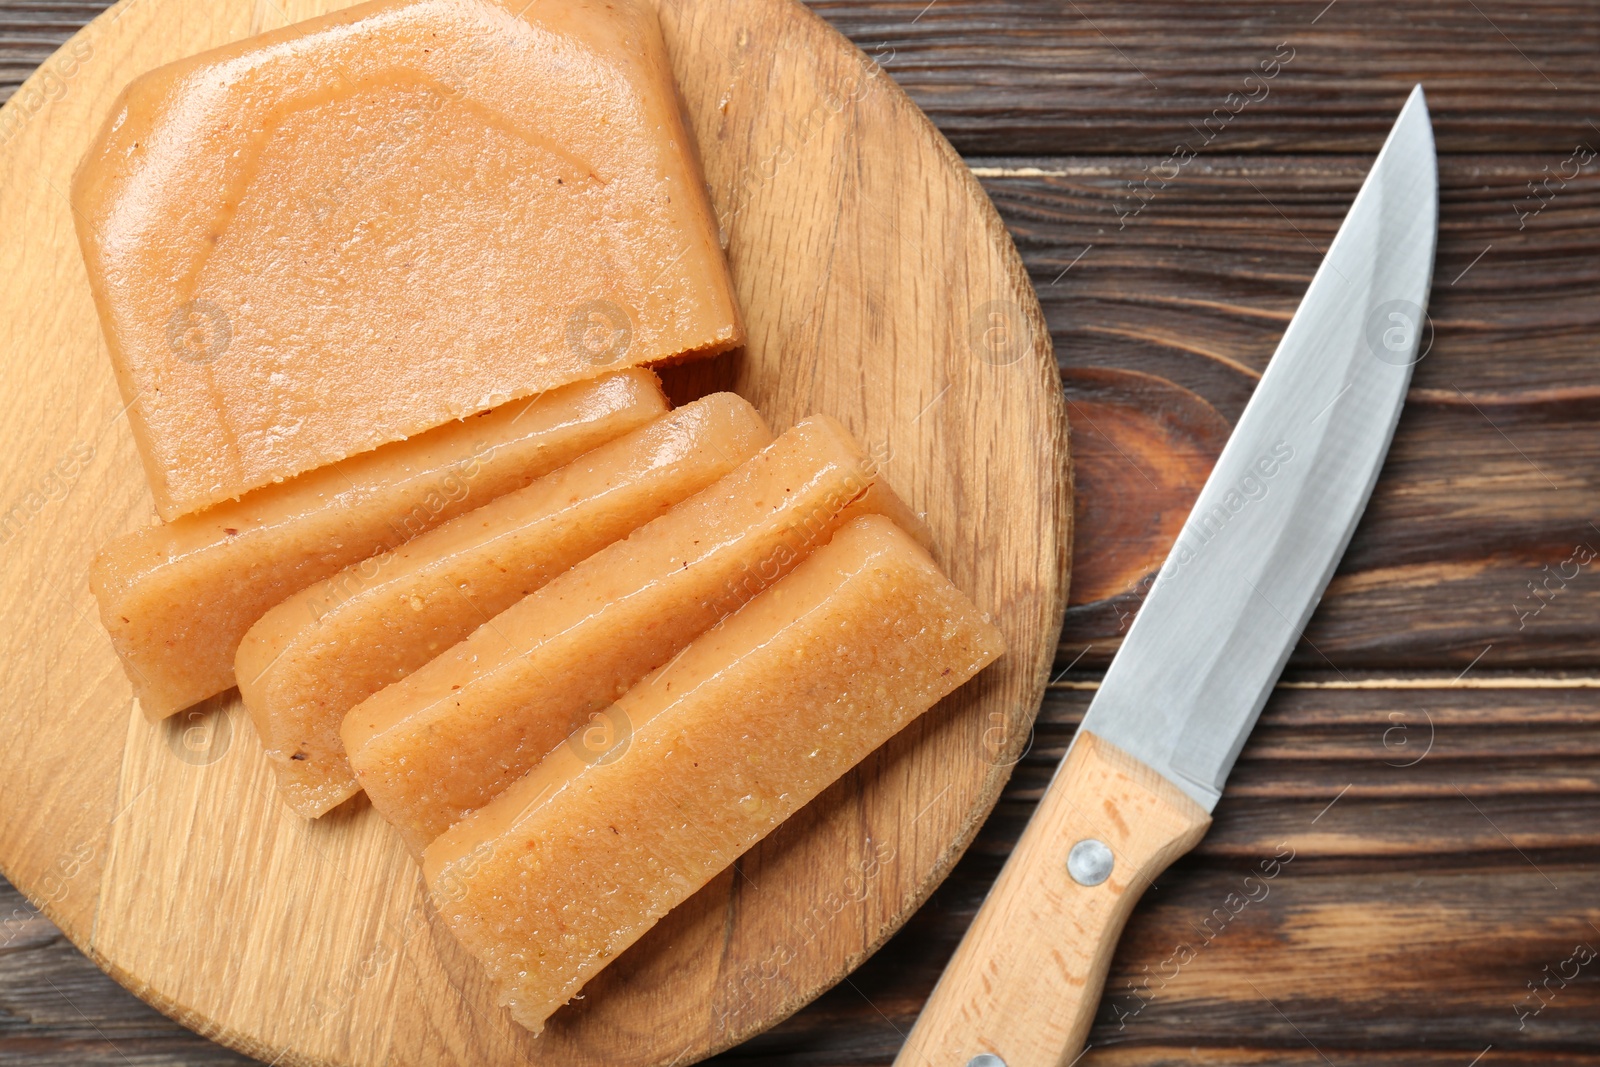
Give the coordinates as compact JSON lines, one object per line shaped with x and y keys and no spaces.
{"x":446,"y":739}
{"x":329,"y":647}
{"x":573,"y":863}
{"x":177,"y":598}
{"x":332,"y":236}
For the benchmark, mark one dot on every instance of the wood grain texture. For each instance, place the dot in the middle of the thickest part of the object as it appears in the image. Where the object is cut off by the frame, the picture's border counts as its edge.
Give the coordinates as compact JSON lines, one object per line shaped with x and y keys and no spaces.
{"x":1427,"y":943}
{"x":1104,"y":76}
{"x":1407,"y":928}
{"x":1040,"y":77}
{"x":1414,"y":955}
{"x":1025,"y":980}
{"x":878,"y":286}
{"x":1494,"y":474}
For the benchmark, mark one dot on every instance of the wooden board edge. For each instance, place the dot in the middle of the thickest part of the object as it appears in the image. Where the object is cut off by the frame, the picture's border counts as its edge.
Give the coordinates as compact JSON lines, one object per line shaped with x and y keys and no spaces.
{"x":1055,"y":594}
{"x":1063,"y":495}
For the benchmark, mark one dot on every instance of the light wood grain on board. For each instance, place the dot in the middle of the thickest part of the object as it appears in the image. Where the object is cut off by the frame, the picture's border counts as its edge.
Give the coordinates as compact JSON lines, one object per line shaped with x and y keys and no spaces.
{"x":1211,"y":270}
{"x":879,"y":286}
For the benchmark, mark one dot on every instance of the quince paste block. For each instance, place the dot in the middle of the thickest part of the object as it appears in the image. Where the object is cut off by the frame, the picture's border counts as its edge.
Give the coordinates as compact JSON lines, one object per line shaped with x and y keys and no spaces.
{"x":329,"y":647}
{"x":178,"y":597}
{"x":573,"y":863}
{"x":449,"y":737}
{"x":325,"y":238}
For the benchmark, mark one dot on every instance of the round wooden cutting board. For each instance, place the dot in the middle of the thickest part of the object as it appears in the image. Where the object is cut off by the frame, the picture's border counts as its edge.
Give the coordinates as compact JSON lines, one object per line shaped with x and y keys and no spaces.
{"x":879,"y":287}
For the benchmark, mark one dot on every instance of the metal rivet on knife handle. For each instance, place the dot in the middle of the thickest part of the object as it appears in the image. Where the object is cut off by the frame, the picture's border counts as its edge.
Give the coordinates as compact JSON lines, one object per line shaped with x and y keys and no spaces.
{"x":986,"y":1059}
{"x":1025,"y":980}
{"x":1089,"y":863}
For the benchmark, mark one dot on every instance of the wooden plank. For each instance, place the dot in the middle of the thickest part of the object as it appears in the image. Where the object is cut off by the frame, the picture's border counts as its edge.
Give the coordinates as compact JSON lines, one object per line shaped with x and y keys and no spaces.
{"x":1446,"y":772}
{"x":1402,"y":905}
{"x":1479,"y":541}
{"x":1194,"y":281}
{"x":1491,"y":482}
{"x":1043,"y":77}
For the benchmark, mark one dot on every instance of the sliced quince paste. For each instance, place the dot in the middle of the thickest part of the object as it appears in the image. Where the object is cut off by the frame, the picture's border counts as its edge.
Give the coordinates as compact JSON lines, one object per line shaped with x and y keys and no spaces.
{"x":325,"y":238}
{"x":178,"y":597}
{"x":573,"y":863}
{"x":449,"y":737}
{"x":329,"y":647}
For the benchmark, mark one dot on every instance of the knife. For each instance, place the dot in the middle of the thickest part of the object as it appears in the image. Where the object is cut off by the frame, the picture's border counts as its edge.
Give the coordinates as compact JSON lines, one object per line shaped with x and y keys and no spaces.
{"x":1137,"y":786}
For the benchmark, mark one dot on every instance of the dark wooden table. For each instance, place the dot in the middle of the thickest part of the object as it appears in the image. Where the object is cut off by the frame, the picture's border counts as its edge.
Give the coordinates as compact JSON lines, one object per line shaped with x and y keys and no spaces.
{"x":1425,"y":785}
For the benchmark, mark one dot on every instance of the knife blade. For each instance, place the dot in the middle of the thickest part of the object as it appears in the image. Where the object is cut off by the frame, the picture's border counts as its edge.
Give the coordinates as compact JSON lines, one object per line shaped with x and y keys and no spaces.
{"x":1146,"y":768}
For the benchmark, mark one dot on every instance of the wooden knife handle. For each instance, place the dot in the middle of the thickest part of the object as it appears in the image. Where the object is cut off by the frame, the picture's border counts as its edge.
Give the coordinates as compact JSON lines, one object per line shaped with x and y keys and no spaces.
{"x":1025,"y":982}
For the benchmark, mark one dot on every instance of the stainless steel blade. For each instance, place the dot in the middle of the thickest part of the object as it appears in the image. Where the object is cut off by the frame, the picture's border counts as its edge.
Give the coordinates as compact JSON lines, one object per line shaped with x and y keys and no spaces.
{"x":1274,"y":517}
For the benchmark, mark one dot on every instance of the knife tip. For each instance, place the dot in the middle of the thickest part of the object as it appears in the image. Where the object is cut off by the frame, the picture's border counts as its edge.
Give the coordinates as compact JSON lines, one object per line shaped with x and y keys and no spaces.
{"x":1414,"y":124}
